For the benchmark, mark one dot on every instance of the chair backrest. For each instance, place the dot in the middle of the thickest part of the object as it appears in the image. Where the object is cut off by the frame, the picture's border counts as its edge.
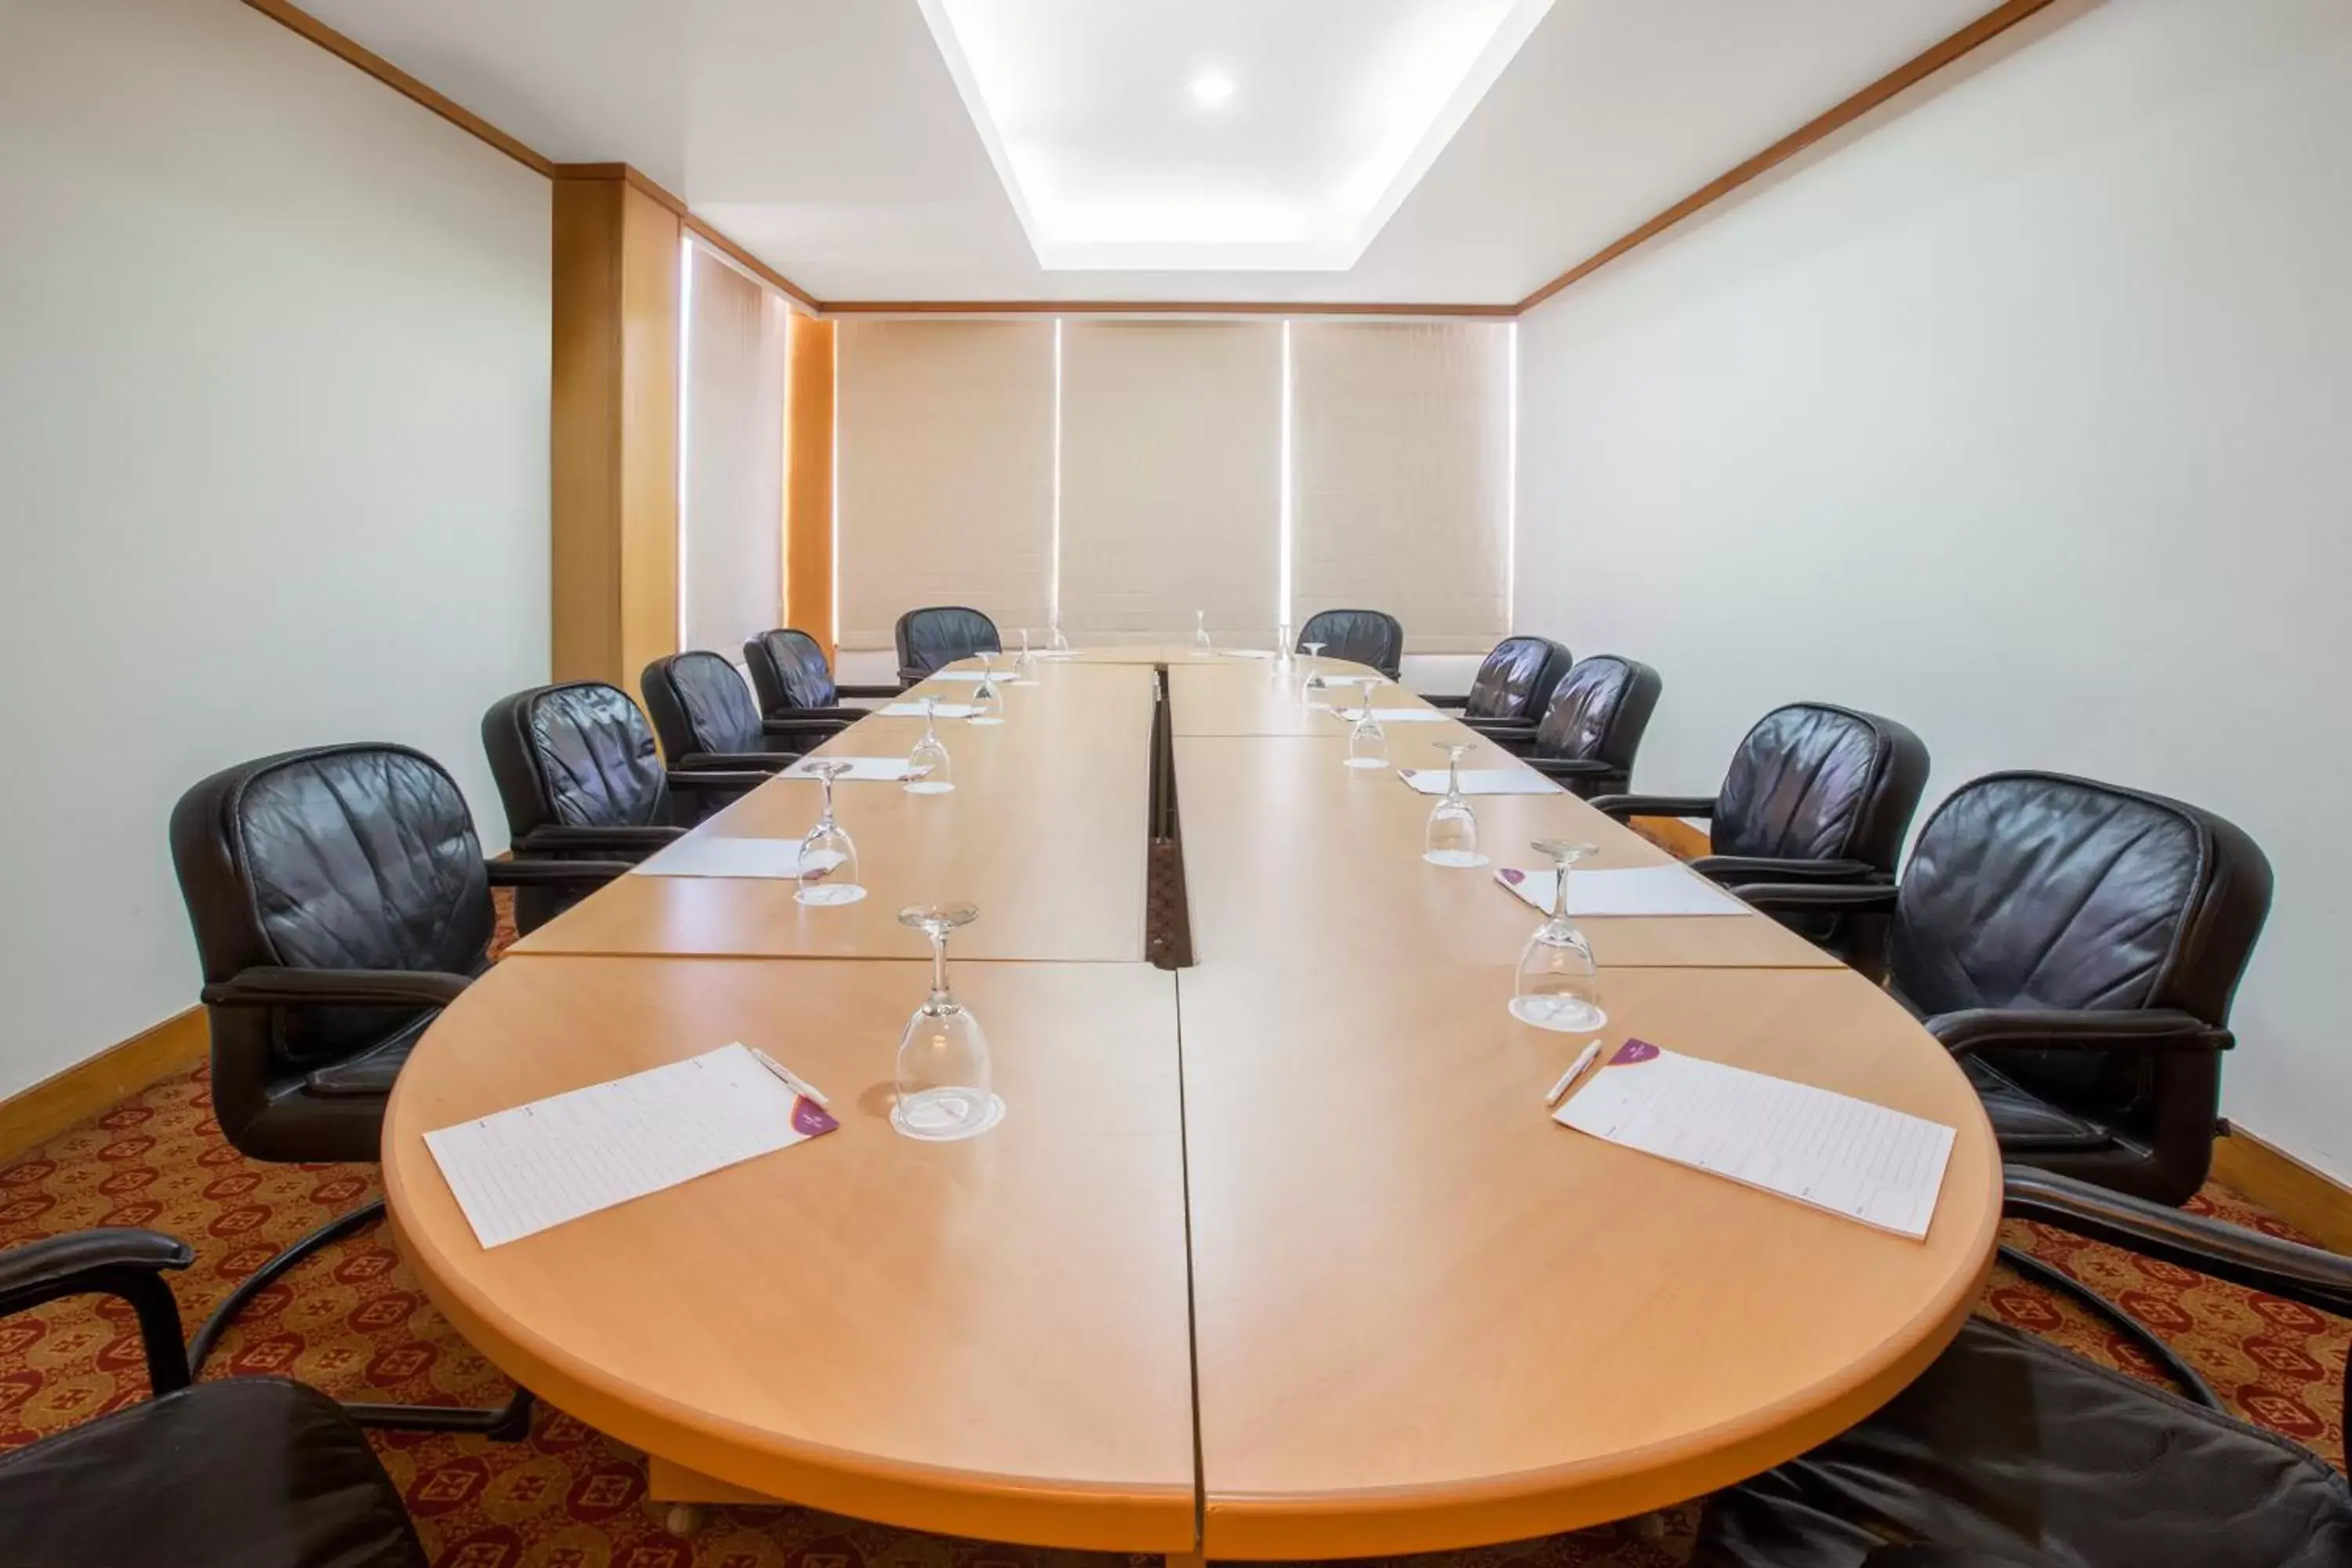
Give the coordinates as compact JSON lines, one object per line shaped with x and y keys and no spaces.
{"x":699,"y":703}
{"x":936,"y":637}
{"x":2030,"y":890}
{"x":1600,"y":710}
{"x":579,"y":754}
{"x":1517,"y":679}
{"x":1363,"y":636}
{"x":1814,"y":782}
{"x":789,"y":672}
{"x":353,"y":856}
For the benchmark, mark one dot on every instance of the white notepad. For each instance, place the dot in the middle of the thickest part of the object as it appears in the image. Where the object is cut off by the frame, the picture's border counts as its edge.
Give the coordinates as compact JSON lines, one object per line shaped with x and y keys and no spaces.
{"x":1481,"y":781}
{"x":1245,"y":653}
{"x":1393,"y":715}
{"x":519,"y":1172}
{"x":943,"y":709}
{"x":971,"y":675}
{"x":1636,"y":890}
{"x":705,"y":855}
{"x":1829,"y":1149}
{"x":862,"y":770}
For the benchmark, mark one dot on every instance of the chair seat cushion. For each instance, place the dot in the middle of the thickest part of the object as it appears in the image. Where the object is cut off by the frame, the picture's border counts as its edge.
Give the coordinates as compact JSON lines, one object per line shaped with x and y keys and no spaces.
{"x":2011,"y":1447}
{"x":246,"y":1471}
{"x":2024,"y":1122}
{"x":369,"y":1072}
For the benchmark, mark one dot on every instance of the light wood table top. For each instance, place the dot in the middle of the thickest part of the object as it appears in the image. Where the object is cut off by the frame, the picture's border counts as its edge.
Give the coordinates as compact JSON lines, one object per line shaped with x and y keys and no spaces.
{"x":1045,"y":831}
{"x":1417,"y":1314}
{"x":1262,"y":697}
{"x":1425,"y":1316}
{"x":1287,"y":850}
{"x":987,"y":1338}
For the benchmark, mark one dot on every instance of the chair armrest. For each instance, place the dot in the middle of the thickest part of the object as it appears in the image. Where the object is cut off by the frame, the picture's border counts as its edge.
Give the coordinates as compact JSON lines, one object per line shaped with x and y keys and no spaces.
{"x":761,"y":761}
{"x":270,"y":985}
{"x":1447,"y":701}
{"x":558,"y":837}
{"x":868,"y":690}
{"x":820,"y":725}
{"x":1621,"y":806}
{"x":116,"y":1261}
{"x":1730,"y":870}
{"x":2317,"y":1278}
{"x":2058,"y":1028}
{"x":910,"y":678}
{"x":1502,"y":729}
{"x":557,"y":873}
{"x":1816,"y":898}
{"x":717,"y":780}
{"x":1569,"y":767}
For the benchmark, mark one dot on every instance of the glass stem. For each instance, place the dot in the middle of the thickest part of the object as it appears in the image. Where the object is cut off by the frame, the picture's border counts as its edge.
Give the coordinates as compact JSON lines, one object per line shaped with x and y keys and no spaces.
{"x":826,"y":782}
{"x":940,"y":1000}
{"x":1559,"y":895}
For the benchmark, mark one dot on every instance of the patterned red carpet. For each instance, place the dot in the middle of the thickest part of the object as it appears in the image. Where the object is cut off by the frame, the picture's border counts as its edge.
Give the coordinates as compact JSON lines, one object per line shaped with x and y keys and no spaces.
{"x":355,"y":1323}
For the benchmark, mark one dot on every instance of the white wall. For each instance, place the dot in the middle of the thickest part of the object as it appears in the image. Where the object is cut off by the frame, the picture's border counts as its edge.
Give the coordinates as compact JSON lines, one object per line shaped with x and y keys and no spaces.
{"x":274,"y":348}
{"x":2022,"y":418}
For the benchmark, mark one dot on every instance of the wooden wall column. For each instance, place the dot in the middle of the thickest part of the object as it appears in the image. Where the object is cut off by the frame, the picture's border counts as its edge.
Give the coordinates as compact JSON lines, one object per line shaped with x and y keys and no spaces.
{"x":615,"y":424}
{"x":808,"y":510}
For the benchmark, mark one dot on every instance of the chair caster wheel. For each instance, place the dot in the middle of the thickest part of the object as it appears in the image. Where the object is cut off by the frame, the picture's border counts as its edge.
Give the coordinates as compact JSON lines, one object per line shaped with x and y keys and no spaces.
{"x":684,"y":1519}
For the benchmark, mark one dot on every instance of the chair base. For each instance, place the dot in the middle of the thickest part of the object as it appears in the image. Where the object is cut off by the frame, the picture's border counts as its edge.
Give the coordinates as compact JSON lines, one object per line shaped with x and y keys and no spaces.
{"x":508,"y":1422}
{"x":2183,"y":1376}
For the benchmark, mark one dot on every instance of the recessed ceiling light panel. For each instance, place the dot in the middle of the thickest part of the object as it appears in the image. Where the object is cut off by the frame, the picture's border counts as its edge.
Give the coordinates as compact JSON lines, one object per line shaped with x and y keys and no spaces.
{"x":1350,"y":101}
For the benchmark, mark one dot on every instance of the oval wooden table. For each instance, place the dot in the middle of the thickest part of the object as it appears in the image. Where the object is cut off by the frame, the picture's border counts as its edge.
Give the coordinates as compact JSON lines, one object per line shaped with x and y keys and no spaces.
{"x":1274,"y":1257}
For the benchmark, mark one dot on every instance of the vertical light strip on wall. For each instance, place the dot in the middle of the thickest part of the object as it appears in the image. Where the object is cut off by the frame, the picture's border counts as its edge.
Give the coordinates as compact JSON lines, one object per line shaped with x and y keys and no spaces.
{"x":1511,"y":494}
{"x":1054,"y":555}
{"x":833,"y":632}
{"x":685,"y":398}
{"x":1282,"y":591}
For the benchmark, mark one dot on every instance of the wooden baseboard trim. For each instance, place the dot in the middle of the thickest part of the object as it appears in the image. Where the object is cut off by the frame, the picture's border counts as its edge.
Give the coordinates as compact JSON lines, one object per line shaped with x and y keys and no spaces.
{"x":2311,"y":1201}
{"x":34,"y":1116}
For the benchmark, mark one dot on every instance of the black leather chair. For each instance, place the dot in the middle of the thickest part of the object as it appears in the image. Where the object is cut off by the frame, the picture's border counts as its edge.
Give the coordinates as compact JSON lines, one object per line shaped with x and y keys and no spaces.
{"x":1591,"y":729}
{"x":1514,"y":685}
{"x":795,"y":686}
{"x":1362,"y":636}
{"x":580,"y":778}
{"x":249,"y":1472}
{"x":2077,"y":946}
{"x":709,"y":723}
{"x":340,"y":900}
{"x":932,"y":638}
{"x":2013,"y":1453}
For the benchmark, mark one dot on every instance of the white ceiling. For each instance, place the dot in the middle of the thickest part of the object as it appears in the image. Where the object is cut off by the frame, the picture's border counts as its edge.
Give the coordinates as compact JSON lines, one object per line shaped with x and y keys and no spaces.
{"x":831,"y":138}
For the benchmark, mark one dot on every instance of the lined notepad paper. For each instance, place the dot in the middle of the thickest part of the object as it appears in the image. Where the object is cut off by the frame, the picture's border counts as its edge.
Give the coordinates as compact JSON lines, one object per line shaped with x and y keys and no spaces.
{"x":1633,"y":890}
{"x":943,"y":710}
{"x":521,"y":1170}
{"x":1829,"y":1149}
{"x":1481,"y":781}
{"x":705,"y":855}
{"x":1393,"y":715}
{"x":862,"y":770}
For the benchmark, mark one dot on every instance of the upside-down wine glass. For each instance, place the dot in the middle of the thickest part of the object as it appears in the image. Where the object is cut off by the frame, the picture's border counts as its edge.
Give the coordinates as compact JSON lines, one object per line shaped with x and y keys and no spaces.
{"x":1057,"y":642}
{"x":928,"y":771}
{"x":1282,"y":652}
{"x":828,"y":872}
{"x":1314,"y":681}
{"x":1368,"y":743}
{"x":1024,"y":667}
{"x":1453,"y":837}
{"x":1557,"y":985}
{"x":1200,"y":631}
{"x":943,"y":1078}
{"x":987,"y":701}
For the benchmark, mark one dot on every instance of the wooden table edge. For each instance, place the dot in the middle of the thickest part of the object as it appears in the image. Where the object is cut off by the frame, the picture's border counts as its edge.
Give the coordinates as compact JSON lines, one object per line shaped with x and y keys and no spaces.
{"x":1457,"y":1515}
{"x":1020,"y":1509}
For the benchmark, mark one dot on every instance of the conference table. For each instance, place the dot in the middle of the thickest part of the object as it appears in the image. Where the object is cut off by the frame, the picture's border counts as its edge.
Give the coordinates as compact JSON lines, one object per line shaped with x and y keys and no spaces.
{"x":1276,"y":1255}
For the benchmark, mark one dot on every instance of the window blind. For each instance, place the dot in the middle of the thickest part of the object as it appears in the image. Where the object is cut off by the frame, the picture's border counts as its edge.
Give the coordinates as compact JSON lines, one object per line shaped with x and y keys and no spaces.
{"x":1401,"y":473}
{"x":1172,"y":452}
{"x":730,"y":542}
{"x":945,"y":482}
